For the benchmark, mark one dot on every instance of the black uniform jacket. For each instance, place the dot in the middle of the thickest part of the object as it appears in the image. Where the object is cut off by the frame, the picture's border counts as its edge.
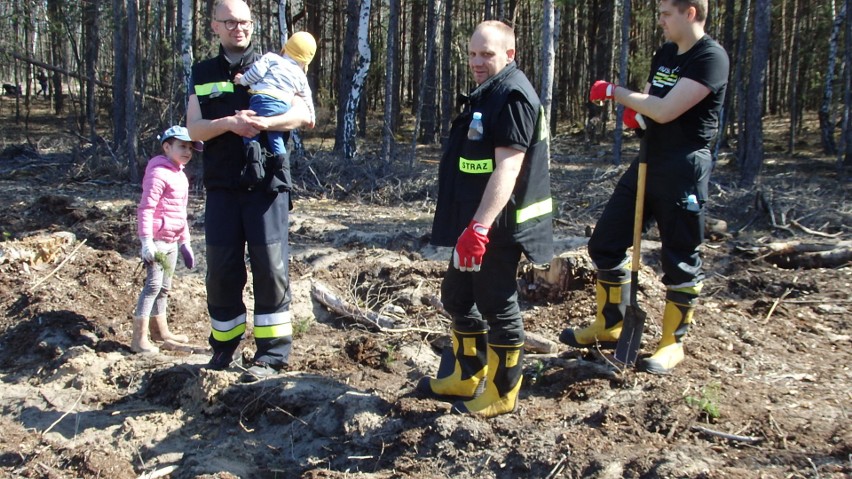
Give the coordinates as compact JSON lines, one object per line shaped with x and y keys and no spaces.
{"x":467,"y":166}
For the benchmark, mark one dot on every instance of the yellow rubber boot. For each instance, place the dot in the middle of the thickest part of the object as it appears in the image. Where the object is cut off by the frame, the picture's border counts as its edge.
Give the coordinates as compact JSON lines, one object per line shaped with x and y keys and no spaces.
{"x":505,"y":372}
{"x":677,"y":316}
{"x":612,"y":290}
{"x":159,"y":328}
{"x":462,"y":370}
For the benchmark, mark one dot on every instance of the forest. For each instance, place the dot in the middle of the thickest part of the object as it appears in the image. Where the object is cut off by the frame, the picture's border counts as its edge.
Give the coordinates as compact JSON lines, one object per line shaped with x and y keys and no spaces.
{"x":763,"y":391}
{"x":120,"y":68}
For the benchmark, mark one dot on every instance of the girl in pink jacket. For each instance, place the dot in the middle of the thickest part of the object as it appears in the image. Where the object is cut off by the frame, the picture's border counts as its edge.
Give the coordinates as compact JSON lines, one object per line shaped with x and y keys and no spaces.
{"x":164,"y":232}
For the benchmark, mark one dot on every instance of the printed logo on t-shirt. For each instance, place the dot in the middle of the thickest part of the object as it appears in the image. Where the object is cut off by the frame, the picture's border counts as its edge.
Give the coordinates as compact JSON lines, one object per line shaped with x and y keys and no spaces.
{"x":665,"y":77}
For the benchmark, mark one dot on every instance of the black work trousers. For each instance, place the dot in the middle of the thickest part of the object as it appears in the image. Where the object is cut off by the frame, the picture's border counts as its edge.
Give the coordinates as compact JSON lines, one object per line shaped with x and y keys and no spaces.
{"x":234,"y":218}
{"x":671,"y":178}
{"x":487,"y":299}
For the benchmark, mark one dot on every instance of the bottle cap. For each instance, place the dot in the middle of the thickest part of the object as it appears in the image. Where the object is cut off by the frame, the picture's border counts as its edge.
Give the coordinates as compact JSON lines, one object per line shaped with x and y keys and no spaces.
{"x":477,"y":115}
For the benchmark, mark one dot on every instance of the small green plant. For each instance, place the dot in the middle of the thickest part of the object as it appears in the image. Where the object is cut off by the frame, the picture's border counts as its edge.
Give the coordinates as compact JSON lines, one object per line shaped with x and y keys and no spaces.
{"x":301,"y":326}
{"x":534,"y":372}
{"x":708,"y":402}
{"x":389,"y":356}
{"x":162,"y":259}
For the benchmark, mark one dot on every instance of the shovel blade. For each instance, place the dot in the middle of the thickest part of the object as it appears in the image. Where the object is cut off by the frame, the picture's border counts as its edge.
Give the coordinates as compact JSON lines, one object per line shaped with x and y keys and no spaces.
{"x":631,"y":335}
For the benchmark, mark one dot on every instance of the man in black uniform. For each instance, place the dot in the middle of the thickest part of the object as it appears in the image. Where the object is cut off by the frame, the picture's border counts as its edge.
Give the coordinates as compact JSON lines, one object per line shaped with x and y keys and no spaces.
{"x":246,"y":203}
{"x":680,"y":107}
{"x":493,"y":205}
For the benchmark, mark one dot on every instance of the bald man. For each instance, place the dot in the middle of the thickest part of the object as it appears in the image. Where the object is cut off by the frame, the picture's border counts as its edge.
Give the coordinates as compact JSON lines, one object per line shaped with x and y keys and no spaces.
{"x":246,"y":204}
{"x":493,"y":205}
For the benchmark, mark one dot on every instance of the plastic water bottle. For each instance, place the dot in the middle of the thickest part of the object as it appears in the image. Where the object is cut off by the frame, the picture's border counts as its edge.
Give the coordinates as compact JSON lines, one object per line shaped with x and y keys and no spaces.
{"x":692,"y":203}
{"x":474,"y":131}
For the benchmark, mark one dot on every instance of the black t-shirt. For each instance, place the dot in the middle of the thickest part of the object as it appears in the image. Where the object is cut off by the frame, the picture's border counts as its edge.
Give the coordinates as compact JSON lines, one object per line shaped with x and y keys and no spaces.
{"x":706,"y":63}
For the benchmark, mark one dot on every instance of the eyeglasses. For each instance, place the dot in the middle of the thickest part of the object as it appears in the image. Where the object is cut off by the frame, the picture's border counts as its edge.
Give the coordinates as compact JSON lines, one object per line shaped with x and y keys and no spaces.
{"x":232,"y":25}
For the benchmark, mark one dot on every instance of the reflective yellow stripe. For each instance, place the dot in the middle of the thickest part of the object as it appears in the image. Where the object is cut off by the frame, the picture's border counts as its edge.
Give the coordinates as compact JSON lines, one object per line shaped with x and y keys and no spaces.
{"x":543,"y":126}
{"x":274,"y":325}
{"x":694,"y":289}
{"x":215,"y":87}
{"x":535,"y":210}
{"x":476,"y":166}
{"x":276,"y":331}
{"x":228,"y":330}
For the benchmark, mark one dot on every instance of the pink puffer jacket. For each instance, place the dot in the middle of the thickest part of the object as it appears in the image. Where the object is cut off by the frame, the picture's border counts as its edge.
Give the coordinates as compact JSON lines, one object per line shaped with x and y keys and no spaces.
{"x":162,"y":210}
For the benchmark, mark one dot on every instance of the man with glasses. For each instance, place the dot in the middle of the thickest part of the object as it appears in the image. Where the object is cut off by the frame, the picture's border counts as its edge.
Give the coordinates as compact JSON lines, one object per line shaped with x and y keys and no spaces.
{"x":235,"y":215}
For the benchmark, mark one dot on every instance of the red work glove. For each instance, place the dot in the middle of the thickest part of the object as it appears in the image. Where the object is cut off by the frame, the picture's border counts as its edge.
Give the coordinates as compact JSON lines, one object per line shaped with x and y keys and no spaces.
{"x":632,"y":119}
{"x":601,"y":90}
{"x":470,"y":247}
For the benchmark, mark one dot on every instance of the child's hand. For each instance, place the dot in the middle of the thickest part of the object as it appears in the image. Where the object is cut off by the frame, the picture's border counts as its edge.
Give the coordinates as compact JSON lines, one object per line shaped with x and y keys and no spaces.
{"x":238,"y":78}
{"x":148,"y":250}
{"x":188,"y":256}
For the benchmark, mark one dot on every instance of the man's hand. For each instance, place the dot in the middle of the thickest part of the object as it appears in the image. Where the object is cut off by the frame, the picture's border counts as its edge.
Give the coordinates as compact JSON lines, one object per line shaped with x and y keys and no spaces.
{"x":188,"y":256}
{"x":470,"y":247}
{"x":633,"y":120}
{"x":601,"y":90}
{"x":238,"y":79}
{"x":243,"y":123}
{"x":148,"y":250}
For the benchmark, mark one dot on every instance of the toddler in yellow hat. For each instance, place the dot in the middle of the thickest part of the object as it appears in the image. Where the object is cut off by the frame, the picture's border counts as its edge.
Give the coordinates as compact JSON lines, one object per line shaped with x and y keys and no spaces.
{"x":273,"y":81}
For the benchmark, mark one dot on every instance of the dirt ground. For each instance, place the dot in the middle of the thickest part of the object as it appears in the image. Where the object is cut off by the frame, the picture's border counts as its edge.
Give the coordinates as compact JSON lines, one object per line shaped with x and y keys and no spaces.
{"x":768,"y":360}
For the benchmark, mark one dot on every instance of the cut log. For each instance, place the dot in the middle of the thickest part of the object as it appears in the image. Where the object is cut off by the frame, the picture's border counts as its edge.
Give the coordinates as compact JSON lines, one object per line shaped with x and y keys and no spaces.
{"x":797,"y":254}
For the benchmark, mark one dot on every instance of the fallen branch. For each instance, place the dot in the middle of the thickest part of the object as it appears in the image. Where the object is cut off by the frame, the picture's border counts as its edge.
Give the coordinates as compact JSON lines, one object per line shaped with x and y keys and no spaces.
{"x":775,"y":304}
{"x":163,"y":472}
{"x":332,"y":301}
{"x":724,"y":435}
{"x":83,"y":391}
{"x":814,"y":232}
{"x":71,"y":255}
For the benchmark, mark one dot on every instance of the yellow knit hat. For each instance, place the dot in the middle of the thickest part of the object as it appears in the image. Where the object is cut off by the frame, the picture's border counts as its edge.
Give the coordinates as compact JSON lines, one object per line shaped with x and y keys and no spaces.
{"x":301,"y":47}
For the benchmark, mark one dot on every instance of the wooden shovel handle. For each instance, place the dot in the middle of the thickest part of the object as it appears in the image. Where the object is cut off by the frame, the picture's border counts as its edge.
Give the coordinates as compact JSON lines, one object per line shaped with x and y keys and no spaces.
{"x":637,"y":217}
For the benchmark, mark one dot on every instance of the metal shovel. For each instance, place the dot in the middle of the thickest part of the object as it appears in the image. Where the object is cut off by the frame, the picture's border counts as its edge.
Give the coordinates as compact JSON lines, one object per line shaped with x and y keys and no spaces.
{"x":634,"y":318}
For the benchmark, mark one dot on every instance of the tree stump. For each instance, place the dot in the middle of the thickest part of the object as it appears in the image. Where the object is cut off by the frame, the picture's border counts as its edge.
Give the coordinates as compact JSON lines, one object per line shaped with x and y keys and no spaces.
{"x":569,"y":271}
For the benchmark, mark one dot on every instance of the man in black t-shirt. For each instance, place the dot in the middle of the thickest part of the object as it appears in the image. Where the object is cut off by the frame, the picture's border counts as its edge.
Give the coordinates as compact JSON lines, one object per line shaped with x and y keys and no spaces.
{"x":679,"y":111}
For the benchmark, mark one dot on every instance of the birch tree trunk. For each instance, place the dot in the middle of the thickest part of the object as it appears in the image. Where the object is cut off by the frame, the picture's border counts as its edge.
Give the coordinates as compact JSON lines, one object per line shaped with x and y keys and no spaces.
{"x":754,"y":97}
{"x":547,"y":56}
{"x":350,"y":45}
{"x":826,"y":122}
{"x":283,"y":28}
{"x":361,"y":67}
{"x":185,"y":22}
{"x":390,"y":72}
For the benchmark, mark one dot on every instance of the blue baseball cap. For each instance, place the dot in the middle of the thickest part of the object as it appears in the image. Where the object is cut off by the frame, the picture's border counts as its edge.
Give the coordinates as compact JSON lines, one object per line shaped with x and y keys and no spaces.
{"x":181,"y":133}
